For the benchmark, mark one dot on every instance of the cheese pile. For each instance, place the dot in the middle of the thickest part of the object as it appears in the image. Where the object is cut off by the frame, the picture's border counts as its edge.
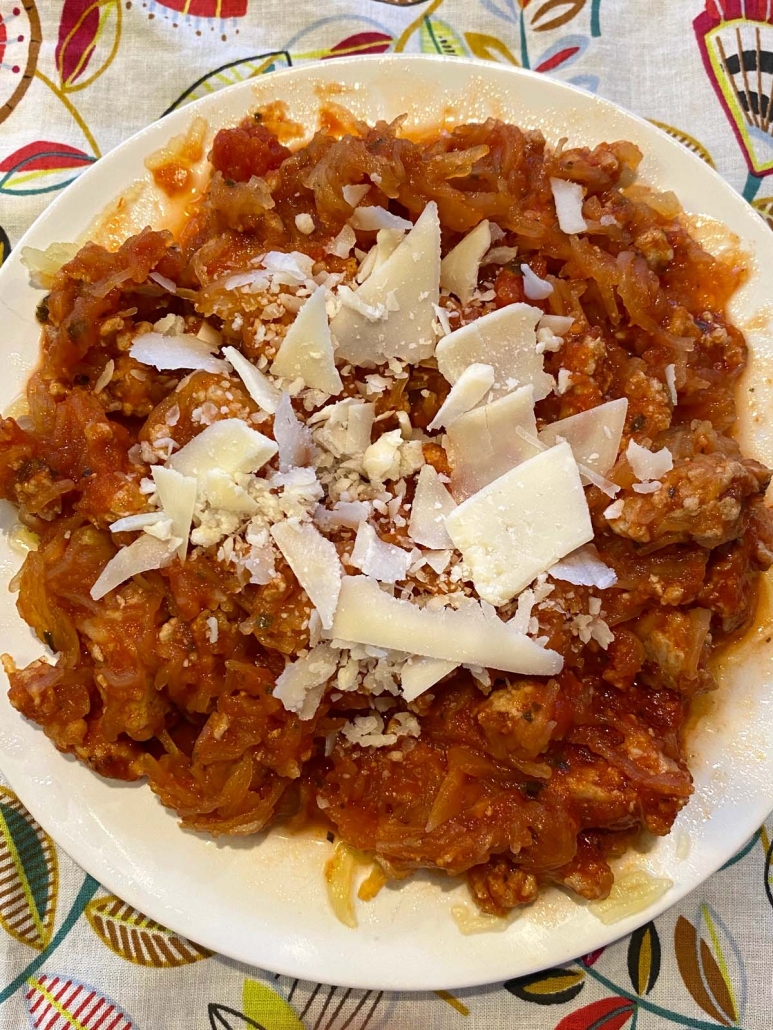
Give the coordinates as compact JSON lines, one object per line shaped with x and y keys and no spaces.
{"x":401,"y":592}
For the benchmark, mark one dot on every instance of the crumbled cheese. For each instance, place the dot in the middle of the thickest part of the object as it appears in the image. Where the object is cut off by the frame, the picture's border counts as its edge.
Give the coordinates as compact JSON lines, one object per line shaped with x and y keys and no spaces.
{"x":258,"y":386}
{"x":213,"y":629}
{"x":534,"y":287}
{"x":565,"y":380}
{"x":614,"y":510}
{"x":385,"y":562}
{"x":408,"y":331}
{"x":392,"y":457}
{"x":302,"y":683}
{"x":459,"y":268}
{"x":584,"y":567}
{"x":172,"y":352}
{"x":307,"y":348}
{"x":568,"y":198}
{"x":304,"y":223}
{"x":431,"y":503}
{"x":366,"y":614}
{"x":513,"y":529}
{"x":485,"y":443}
{"x":646,"y":464}
{"x":368,"y":730}
{"x":470,"y":388}
{"x":670,"y":373}
{"x":314,"y":560}
{"x":505,"y":339}
{"x":648,"y":487}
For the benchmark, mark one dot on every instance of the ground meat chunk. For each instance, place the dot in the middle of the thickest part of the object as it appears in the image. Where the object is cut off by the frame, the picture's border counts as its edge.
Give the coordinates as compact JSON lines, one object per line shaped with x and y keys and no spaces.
{"x":499,"y":886}
{"x":518,"y":719}
{"x":674,"y":643}
{"x":700,"y":499}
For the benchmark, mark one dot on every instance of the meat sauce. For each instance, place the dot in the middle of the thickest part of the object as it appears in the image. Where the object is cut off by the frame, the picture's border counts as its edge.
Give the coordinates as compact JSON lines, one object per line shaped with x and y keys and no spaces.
{"x":517,"y":782}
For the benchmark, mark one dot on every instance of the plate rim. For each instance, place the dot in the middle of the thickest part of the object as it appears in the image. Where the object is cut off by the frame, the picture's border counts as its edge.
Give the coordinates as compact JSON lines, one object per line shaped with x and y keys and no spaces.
{"x":113,"y":879}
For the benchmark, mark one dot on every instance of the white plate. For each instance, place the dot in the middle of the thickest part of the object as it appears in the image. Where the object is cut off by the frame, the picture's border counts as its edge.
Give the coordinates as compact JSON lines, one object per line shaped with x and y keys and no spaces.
{"x":262,"y":901}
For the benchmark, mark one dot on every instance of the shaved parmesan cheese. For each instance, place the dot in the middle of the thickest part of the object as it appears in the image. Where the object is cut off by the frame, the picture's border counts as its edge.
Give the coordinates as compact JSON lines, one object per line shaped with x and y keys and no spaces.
{"x":593,"y":435}
{"x":359,"y":425}
{"x":584,"y":568}
{"x":230,"y":445}
{"x":354,"y":194}
{"x":385,"y":562}
{"x":419,"y":674}
{"x":614,"y":510}
{"x":522,"y":523}
{"x":568,"y":197}
{"x":293,"y":267}
{"x":387,"y":242}
{"x":257,"y":385}
{"x":371,"y":219}
{"x":646,"y":464}
{"x":177,"y":496}
{"x":505,"y":339}
{"x":209,"y":335}
{"x":471,"y":386}
{"x":367,"y":615}
{"x":500,"y":256}
{"x":534,"y":287}
{"x":301,"y":686}
{"x":307,"y":348}
{"x":346,"y":514}
{"x":649,"y":487}
{"x":173,"y":352}
{"x":670,"y":372}
{"x":296,"y":447}
{"x":437,"y":560}
{"x":135,"y":523}
{"x":431,"y":503}
{"x":459,"y":268}
{"x":341,"y":245}
{"x":485,"y":443}
{"x":411,"y":274}
{"x":144,"y":554}
{"x":105,"y":376}
{"x":558,"y":324}
{"x":314,"y":560}
{"x":223,"y":494}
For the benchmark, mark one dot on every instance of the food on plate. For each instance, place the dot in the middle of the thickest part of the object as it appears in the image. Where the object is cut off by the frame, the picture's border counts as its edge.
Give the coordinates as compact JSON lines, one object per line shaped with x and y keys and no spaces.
{"x":397,"y":493}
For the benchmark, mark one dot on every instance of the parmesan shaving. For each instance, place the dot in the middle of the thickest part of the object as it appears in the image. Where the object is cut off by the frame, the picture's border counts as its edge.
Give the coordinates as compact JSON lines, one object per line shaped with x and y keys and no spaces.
{"x":172,"y":352}
{"x":229,"y":445}
{"x":314,"y":560}
{"x":371,"y":219}
{"x":670,"y":373}
{"x":294,"y":439}
{"x":646,"y":464}
{"x":367,"y":615}
{"x":105,"y":376}
{"x":419,"y":674}
{"x":307,"y":348}
{"x":385,"y":562}
{"x":459,"y":268}
{"x":505,"y":339}
{"x":584,"y":567}
{"x":143,"y":555}
{"x":257,"y":385}
{"x":177,"y":496}
{"x":568,"y":198}
{"x":470,"y":388}
{"x":515,"y":528}
{"x":301,"y":686}
{"x":431,"y":504}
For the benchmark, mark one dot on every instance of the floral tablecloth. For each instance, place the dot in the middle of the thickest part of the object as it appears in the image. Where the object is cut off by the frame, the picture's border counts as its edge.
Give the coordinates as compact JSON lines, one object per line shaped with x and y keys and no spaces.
{"x":79,"y":76}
